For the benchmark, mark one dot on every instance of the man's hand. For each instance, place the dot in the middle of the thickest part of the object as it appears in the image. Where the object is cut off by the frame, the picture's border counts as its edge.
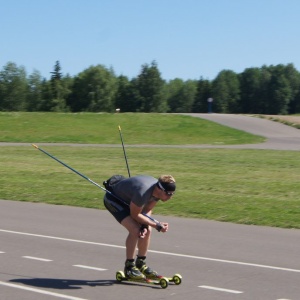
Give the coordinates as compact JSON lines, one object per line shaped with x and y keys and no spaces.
{"x":143,"y":231}
{"x":162,"y":227}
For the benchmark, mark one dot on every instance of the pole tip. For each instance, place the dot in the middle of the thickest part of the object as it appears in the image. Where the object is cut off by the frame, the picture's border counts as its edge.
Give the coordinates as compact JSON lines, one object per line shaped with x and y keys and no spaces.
{"x":119,"y":127}
{"x":35,"y":146}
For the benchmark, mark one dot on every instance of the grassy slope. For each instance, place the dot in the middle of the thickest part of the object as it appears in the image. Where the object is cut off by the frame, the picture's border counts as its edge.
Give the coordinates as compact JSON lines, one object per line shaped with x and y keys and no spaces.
{"x":162,"y":129}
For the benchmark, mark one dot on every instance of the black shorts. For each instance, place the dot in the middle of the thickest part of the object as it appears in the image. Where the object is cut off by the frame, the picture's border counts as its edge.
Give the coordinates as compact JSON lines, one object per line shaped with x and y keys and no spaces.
{"x":118,"y":209}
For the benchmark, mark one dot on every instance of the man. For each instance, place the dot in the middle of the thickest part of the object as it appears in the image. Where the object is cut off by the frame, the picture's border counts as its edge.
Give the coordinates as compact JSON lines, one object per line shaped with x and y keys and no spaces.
{"x":139,"y":195}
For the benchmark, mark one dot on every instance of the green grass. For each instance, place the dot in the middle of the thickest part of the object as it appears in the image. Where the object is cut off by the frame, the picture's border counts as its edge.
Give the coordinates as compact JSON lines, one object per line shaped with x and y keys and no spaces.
{"x":91,"y":128}
{"x":242,"y":186}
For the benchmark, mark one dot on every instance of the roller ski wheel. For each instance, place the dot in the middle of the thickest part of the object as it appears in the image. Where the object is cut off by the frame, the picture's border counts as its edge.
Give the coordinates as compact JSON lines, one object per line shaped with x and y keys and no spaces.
{"x":177,"y":279}
{"x":162,"y":281}
{"x":120,"y":276}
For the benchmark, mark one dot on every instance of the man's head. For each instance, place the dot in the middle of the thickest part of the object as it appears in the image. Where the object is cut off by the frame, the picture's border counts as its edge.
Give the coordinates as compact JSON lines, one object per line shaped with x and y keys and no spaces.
{"x":166,"y":184}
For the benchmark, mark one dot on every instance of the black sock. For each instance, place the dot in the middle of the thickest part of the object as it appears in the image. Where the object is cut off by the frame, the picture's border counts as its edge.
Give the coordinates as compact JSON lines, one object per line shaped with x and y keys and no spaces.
{"x":141,"y":257}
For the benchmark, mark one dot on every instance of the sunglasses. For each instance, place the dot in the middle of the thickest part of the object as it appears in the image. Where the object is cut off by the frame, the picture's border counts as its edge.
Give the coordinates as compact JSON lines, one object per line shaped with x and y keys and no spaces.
{"x":167,"y":192}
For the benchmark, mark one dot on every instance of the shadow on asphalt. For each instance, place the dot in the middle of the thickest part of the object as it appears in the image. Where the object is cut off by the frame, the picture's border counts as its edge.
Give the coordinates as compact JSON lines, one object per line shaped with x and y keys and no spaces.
{"x":71,"y":284}
{"x":62,"y":284}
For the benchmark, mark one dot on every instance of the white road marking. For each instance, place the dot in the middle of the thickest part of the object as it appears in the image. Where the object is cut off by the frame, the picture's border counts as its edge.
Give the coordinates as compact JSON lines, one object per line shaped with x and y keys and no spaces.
{"x":1,"y":252}
{"x":227,"y":261}
{"x":61,"y":239}
{"x":220,"y":289}
{"x":39,"y":291}
{"x":158,"y":252}
{"x":37,"y":258}
{"x":91,"y":268}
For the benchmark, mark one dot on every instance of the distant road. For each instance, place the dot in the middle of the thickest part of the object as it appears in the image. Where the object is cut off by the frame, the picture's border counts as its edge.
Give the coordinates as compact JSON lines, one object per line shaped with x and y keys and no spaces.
{"x":278,"y":135}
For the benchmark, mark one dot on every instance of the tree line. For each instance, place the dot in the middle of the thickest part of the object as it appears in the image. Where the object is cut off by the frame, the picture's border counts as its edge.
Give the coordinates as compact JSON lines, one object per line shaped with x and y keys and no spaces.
{"x":264,"y":90}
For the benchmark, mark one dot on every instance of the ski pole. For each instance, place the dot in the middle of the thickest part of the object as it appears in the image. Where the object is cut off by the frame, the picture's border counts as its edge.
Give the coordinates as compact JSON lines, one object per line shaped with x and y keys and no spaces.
{"x":88,"y":179}
{"x":124,"y":151}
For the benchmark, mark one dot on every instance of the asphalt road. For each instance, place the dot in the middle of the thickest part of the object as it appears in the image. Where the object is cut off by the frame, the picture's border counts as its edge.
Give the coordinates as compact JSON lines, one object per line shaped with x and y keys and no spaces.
{"x":278,"y":135}
{"x":60,"y":252}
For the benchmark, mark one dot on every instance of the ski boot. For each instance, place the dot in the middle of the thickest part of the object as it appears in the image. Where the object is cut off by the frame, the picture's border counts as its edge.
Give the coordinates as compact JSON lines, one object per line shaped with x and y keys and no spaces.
{"x":132,"y":272}
{"x":147,"y":271}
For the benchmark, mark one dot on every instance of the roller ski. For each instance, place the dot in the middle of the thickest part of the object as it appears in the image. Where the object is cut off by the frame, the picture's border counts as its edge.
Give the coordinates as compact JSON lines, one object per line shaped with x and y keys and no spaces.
{"x":133,"y":274}
{"x":153,"y":275}
{"x":176,"y":279}
{"x":162,"y":282}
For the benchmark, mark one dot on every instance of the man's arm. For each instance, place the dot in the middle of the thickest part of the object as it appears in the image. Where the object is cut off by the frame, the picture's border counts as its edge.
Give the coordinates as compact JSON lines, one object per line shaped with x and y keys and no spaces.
{"x":136,"y":213}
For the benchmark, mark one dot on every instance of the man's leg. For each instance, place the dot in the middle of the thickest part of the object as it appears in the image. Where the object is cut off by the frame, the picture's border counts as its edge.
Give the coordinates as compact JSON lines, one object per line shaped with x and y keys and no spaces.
{"x":143,"y":244}
{"x":133,"y":236}
{"x":133,"y":228}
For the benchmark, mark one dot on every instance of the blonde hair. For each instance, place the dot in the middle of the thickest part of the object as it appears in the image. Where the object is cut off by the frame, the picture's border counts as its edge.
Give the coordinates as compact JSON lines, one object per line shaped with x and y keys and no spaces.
{"x":167,"y":179}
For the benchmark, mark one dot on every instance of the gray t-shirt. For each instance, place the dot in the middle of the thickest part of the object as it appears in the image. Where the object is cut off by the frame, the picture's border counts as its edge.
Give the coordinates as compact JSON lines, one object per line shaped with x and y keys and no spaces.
{"x":137,"y":189}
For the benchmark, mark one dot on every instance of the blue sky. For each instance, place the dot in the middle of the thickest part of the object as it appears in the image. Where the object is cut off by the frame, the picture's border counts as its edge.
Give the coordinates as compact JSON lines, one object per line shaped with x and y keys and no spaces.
{"x":188,"y":39}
